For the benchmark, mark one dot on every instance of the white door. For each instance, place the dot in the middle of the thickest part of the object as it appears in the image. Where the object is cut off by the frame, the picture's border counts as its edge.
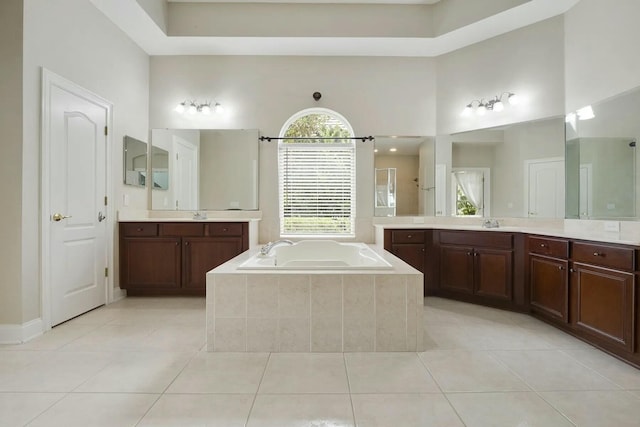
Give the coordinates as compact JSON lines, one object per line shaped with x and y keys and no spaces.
{"x":76,"y":189}
{"x":546,"y":189}
{"x":185,"y":178}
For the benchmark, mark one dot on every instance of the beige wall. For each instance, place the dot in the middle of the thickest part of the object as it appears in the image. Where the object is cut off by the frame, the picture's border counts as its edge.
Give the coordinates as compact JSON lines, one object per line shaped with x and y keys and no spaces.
{"x":10,"y":160}
{"x":449,"y":15}
{"x":601,"y":49}
{"x":528,"y":62}
{"x":378,"y":96}
{"x":73,"y":39}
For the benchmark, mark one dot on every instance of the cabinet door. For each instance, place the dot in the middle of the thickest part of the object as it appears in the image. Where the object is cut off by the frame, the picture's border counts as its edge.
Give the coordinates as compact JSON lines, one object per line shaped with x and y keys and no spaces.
{"x":202,"y":254}
{"x":456,"y":268}
{"x":493,"y":273}
{"x":603,"y":303}
{"x":411,"y":254}
{"x":150,"y":263}
{"x":549,"y":287}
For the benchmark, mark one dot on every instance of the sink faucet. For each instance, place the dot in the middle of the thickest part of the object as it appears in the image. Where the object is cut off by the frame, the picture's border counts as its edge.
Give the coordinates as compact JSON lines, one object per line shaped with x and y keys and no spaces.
{"x":490,"y":223}
{"x":199,"y":215}
{"x":267,"y":248}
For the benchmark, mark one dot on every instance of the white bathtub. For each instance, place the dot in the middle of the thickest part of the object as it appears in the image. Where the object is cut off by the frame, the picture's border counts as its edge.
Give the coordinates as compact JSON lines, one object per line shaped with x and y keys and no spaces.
{"x":318,"y":255}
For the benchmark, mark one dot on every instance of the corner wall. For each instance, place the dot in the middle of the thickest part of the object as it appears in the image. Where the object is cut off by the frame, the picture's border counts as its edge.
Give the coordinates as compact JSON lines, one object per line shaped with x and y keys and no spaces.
{"x":11,"y":160}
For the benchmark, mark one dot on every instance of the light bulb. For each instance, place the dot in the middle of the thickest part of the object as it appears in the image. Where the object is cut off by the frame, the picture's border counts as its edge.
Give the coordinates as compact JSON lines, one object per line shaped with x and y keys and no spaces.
{"x":205,"y":109}
{"x":467,"y":111}
{"x":393,"y":150}
{"x":192,"y":108}
{"x":498,"y":106}
{"x":180,"y":108}
{"x":218,"y":108}
{"x":514,"y":99}
{"x":482,"y":109}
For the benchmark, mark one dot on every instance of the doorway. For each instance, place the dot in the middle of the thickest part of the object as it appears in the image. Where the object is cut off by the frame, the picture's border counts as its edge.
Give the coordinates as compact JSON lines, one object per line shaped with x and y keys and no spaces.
{"x":76,"y":245}
{"x":544,"y":187}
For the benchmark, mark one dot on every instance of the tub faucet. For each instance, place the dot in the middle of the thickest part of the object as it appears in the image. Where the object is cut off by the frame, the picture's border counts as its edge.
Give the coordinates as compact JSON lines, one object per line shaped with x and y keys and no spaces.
{"x":199,"y":215}
{"x":267,"y":248}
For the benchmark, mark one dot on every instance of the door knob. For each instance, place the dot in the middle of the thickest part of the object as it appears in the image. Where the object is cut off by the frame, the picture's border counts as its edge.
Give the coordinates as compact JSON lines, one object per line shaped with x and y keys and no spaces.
{"x":101,"y":217}
{"x":59,"y":217}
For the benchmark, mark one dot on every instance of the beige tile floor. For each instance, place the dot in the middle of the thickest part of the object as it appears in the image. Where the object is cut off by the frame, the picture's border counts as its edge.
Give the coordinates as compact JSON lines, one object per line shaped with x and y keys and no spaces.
{"x":141,"y":362}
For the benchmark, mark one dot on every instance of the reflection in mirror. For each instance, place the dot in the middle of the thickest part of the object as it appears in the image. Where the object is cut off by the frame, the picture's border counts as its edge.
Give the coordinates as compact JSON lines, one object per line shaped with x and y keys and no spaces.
{"x":209,"y":169}
{"x":601,"y":159}
{"x":135,"y":161}
{"x":404,"y":175}
{"x":510,"y":171}
{"x":159,"y":169}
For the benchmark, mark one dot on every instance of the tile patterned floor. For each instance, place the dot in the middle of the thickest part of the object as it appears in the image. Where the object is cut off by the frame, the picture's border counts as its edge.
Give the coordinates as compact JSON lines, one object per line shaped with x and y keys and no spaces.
{"x":141,"y":362}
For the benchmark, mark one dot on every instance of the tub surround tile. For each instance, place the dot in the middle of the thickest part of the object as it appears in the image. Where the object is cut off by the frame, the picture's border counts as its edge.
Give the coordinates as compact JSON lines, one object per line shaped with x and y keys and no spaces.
{"x":262,"y":296}
{"x":230,"y":295}
{"x":294,"y":335}
{"x":290,"y":312}
{"x":293,"y":295}
{"x":230,"y":334}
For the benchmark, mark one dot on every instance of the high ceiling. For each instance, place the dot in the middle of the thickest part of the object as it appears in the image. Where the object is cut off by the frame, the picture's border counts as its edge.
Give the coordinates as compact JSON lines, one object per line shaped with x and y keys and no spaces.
{"x":410,"y":28}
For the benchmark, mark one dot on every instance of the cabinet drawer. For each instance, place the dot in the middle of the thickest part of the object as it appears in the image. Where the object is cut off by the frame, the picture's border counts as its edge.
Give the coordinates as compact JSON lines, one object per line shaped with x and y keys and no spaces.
{"x":606,"y":256}
{"x":181,"y":229}
{"x":132,"y":229}
{"x":225,"y":229}
{"x":489,"y":239}
{"x":550,"y":247}
{"x":407,"y":236}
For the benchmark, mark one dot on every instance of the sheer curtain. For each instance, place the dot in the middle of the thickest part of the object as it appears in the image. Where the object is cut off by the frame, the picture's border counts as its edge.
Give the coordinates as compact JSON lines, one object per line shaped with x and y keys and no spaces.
{"x":472,"y":184}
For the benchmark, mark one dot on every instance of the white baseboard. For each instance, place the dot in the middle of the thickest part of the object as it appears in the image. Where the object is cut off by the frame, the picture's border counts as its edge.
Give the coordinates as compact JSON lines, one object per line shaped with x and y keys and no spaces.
{"x":118,"y":294}
{"x":18,"y":334}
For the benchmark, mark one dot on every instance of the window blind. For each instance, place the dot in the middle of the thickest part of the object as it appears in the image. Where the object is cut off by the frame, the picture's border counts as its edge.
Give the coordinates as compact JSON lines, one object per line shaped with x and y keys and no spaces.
{"x":317,"y":187}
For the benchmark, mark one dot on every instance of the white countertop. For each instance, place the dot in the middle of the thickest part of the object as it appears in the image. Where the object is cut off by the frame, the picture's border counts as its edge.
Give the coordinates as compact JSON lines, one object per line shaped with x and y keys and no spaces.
{"x":187,"y":216}
{"x":573,"y":232}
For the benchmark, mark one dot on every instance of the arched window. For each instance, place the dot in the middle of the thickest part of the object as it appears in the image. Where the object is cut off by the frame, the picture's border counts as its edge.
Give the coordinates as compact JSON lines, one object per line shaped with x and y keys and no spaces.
{"x":317,"y":175}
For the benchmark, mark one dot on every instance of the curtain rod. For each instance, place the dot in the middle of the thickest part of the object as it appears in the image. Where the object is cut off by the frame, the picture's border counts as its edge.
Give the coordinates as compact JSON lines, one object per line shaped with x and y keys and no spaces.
{"x":361,"y":138}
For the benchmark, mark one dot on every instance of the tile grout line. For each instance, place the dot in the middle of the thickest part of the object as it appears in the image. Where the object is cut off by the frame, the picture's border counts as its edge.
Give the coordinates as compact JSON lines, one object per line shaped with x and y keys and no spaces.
{"x":255,"y":395}
{"x":346,"y":372}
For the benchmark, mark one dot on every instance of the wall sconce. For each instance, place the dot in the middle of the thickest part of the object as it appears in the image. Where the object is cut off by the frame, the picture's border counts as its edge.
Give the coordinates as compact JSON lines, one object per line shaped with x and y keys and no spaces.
{"x":493,"y":104}
{"x":192,"y":107}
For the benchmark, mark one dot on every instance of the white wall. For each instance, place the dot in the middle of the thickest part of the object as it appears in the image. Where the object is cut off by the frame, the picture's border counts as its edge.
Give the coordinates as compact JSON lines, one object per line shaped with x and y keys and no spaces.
{"x":528,"y":62}
{"x":378,"y":96}
{"x":601,"y":50}
{"x":73,"y":39}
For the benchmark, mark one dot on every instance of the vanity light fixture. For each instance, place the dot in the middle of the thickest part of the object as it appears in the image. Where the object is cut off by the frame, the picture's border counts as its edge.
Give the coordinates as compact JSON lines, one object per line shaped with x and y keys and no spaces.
{"x":193,"y":107}
{"x":494,"y":104}
{"x":393,"y":150}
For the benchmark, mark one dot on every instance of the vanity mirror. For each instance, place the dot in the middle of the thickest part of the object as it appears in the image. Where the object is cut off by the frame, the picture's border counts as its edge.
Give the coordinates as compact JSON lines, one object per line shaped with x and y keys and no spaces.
{"x":204,"y":169}
{"x":601,"y":159}
{"x":404,"y":176}
{"x":135,"y":161}
{"x":510,"y":171}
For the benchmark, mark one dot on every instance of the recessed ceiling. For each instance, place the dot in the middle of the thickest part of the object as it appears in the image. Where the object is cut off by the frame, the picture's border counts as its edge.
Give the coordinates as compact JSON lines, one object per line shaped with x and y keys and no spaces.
{"x":132,"y":18}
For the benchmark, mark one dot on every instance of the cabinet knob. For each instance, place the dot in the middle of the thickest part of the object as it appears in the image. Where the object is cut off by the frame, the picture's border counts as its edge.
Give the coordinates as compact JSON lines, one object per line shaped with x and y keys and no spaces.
{"x":571,"y":270}
{"x":225,"y":229}
{"x":560,"y":267}
{"x":475,"y":254}
{"x":186,"y":243}
{"x":598,"y":254}
{"x":139,"y":229}
{"x":543,"y":245}
{"x":409,"y":236}
{"x":422,"y":249}
{"x":469,"y":253}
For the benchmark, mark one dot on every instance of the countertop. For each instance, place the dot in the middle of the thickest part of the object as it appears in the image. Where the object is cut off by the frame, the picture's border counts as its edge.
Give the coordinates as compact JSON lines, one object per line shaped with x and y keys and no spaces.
{"x":187,"y":216}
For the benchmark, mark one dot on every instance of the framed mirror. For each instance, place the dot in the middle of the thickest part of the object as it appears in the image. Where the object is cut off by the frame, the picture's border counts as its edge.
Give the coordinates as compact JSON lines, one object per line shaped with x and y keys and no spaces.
{"x":135,"y":162}
{"x":601,"y":166}
{"x":508,"y":171}
{"x":404,"y":176}
{"x":206,"y":169}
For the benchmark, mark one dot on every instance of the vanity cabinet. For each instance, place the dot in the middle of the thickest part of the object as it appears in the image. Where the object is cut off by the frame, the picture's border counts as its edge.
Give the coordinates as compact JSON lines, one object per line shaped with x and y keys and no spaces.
{"x":549,"y":277}
{"x":414,"y":248}
{"x":477,"y":266}
{"x":172,"y":258}
{"x":603,"y":295}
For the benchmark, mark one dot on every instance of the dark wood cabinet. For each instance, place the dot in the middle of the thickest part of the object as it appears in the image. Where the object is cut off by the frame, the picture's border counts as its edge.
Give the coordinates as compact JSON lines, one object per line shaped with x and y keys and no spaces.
{"x":549,"y":277}
{"x":476,"y":264}
{"x":173,"y":258}
{"x":413,"y":247}
{"x":603,"y":305}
